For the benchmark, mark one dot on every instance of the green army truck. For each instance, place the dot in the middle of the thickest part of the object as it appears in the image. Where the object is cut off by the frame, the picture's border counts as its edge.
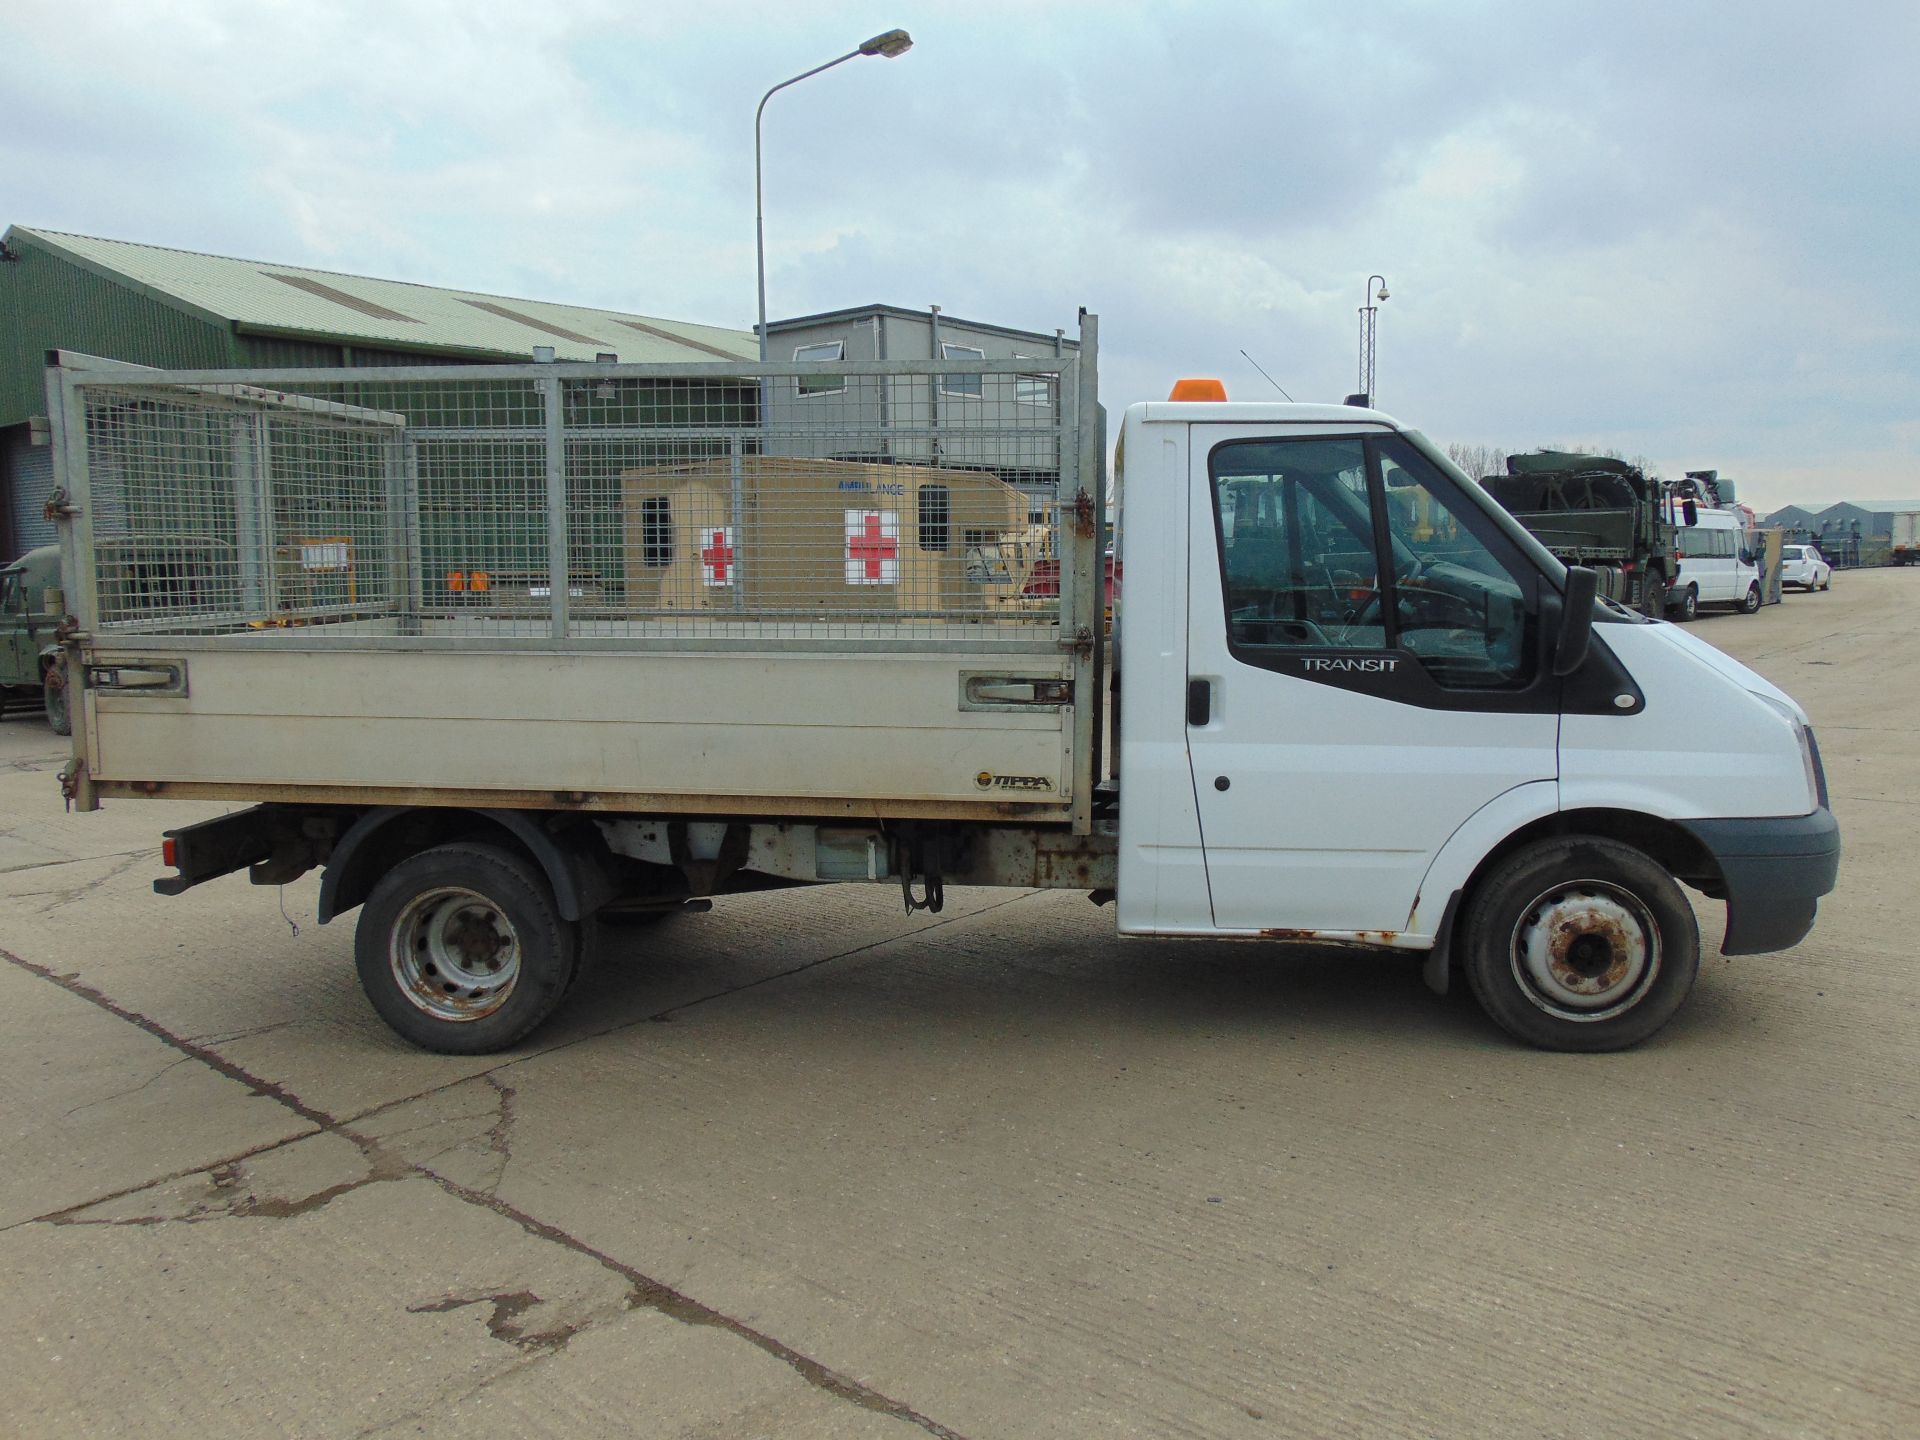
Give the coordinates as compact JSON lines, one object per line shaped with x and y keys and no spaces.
{"x":30,"y":610}
{"x":1598,"y":512}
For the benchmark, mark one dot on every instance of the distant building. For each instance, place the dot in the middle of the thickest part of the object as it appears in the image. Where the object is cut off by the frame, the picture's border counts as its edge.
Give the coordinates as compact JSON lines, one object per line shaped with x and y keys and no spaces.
{"x":178,"y":309}
{"x":1849,"y":532}
{"x":1791,"y":518}
{"x":1012,"y":417}
{"x":1869,"y":519}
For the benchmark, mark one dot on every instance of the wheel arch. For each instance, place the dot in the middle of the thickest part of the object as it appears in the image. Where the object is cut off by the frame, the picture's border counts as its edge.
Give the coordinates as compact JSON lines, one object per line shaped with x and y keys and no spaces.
{"x":1664,"y":841}
{"x":1503,"y":827}
{"x":573,"y":858}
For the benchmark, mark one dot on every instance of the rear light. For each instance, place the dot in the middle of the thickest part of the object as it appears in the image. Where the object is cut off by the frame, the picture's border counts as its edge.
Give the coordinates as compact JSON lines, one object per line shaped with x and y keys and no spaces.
{"x":168,"y":855}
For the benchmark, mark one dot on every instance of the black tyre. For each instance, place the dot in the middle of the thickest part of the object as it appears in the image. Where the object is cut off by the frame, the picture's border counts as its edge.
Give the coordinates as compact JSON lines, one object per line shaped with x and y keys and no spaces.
{"x":1687,"y":607}
{"x":1580,"y":943}
{"x":1655,"y":606}
{"x":1750,"y":602}
{"x":461,"y":949}
{"x":54,"y":697}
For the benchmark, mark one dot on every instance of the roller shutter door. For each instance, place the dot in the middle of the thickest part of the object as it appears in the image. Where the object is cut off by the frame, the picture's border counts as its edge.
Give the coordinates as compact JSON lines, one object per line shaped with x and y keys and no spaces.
{"x":28,"y":473}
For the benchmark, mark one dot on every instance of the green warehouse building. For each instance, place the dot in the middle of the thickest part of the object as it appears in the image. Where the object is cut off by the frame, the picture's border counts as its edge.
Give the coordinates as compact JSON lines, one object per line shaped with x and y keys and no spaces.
{"x":176,"y":309}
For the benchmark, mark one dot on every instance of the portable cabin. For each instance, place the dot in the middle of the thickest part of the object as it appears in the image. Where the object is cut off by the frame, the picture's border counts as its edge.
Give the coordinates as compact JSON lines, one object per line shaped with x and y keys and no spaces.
{"x":820,"y":538}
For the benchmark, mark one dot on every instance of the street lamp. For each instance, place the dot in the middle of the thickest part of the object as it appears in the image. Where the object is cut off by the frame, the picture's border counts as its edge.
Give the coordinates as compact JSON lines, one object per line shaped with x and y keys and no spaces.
{"x":1367,"y":312}
{"x":887,"y":46}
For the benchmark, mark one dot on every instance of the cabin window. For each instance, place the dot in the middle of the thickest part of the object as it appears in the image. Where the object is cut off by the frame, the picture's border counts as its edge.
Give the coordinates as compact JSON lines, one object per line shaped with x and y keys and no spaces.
{"x":656,"y":532}
{"x":1032,"y":389}
{"x":936,"y":518}
{"x":969,"y":386}
{"x":820,"y":384}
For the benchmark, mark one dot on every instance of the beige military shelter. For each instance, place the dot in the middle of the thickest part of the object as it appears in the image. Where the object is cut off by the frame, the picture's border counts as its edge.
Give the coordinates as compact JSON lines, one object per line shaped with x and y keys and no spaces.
{"x":822,"y":538}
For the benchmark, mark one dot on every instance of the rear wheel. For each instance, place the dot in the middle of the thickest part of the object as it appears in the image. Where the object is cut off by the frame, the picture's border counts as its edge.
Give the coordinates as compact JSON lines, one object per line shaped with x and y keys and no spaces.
{"x":461,"y":949}
{"x":1580,"y":943}
{"x":1750,"y":602}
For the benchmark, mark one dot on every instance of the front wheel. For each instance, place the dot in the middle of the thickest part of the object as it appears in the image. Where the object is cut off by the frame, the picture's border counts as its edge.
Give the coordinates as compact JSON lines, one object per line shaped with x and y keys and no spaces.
{"x":1655,"y":605}
{"x":54,"y":697}
{"x":1750,"y":602}
{"x":1688,"y":606}
{"x":461,"y":949}
{"x":1580,"y":943}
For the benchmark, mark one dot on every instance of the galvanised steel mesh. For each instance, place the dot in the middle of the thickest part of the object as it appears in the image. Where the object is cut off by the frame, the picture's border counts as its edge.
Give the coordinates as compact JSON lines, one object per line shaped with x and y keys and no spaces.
{"x":568,"y":502}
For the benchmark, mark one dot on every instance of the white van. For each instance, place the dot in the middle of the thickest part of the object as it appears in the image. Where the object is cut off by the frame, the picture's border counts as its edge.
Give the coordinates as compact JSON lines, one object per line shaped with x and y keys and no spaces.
{"x":1717,"y":565}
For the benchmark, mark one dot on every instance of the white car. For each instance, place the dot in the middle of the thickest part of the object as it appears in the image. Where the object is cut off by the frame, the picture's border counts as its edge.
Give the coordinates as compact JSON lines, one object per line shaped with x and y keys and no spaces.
{"x":1805,"y":566}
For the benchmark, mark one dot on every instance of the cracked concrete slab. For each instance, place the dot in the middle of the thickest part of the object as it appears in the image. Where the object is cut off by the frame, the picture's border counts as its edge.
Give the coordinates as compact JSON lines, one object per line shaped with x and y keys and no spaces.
{"x":607,"y":1381}
{"x":89,"y":1104}
{"x":365,"y":1296}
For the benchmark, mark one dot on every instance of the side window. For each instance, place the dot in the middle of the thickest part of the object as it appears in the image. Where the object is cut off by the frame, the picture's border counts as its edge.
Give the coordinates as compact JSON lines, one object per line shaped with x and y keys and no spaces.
{"x":967,"y":385}
{"x":821,"y":384}
{"x":1297,"y":522}
{"x":1457,"y":608}
{"x":936,"y":518}
{"x":10,"y":593}
{"x":656,"y":532}
{"x":1032,"y":389}
{"x":1296,"y":546}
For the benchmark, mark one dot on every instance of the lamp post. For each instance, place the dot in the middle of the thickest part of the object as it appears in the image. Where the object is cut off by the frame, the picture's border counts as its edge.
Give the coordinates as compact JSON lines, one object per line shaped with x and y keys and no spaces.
{"x":1367,"y":312}
{"x":887,"y":45}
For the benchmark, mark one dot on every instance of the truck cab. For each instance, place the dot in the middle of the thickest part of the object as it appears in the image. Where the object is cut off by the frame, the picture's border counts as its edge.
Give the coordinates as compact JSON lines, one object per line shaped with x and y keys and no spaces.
{"x":1362,"y":704}
{"x":29,"y":654}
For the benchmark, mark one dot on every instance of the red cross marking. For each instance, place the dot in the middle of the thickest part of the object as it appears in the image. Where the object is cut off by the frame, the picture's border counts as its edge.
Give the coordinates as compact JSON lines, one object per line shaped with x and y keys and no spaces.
{"x":871,"y":548}
{"x":718,"y":556}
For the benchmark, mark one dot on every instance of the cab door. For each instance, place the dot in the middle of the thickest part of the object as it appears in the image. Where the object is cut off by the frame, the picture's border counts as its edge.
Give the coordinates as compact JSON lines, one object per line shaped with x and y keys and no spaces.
{"x":18,"y":662}
{"x":1365,"y":671}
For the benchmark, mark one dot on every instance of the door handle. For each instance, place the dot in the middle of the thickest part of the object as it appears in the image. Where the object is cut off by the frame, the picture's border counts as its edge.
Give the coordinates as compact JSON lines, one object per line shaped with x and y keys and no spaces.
{"x":1199,"y":702}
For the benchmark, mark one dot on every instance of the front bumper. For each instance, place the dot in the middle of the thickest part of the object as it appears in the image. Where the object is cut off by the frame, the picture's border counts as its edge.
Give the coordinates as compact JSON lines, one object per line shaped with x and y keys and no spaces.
{"x":1776,"y":868}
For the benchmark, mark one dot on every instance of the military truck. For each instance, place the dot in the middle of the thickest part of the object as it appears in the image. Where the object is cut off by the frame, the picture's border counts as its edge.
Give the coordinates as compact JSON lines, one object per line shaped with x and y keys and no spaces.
{"x":30,"y":608}
{"x":1602,"y":513}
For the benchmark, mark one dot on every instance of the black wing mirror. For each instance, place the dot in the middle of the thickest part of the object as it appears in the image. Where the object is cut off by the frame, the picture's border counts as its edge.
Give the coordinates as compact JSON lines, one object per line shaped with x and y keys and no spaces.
{"x":1576,"y":620}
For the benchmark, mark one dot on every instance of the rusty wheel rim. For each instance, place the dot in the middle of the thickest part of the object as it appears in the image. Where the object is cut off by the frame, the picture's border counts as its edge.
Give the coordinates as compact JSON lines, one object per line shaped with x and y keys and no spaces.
{"x":1586,"y":950}
{"x":455,"y":954}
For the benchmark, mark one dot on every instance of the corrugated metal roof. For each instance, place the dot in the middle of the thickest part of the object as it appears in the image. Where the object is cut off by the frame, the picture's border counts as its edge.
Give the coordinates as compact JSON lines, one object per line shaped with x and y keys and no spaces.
{"x":1873,"y":507}
{"x":292,"y":300}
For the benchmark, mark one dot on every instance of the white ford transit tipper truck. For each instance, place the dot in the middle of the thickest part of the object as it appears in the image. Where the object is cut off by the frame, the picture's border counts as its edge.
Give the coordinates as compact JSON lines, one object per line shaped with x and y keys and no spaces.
{"x":503,"y":648}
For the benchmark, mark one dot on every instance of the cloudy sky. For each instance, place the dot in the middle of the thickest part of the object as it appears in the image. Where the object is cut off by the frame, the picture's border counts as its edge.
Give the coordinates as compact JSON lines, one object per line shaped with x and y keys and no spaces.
{"x":1685,"y":231}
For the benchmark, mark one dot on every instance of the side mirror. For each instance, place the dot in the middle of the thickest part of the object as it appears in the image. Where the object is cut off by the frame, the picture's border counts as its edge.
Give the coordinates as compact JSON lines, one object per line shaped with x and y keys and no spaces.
{"x":1576,"y":621}
{"x":1689,"y":512}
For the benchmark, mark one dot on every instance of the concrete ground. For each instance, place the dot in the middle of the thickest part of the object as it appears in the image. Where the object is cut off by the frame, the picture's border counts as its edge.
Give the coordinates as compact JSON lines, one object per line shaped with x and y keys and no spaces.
{"x":805,"y":1167}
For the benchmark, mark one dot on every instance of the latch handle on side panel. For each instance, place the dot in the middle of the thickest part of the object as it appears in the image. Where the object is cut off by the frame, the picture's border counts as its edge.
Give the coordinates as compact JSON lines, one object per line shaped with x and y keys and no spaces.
{"x":1021,"y":690}
{"x":143,"y":677}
